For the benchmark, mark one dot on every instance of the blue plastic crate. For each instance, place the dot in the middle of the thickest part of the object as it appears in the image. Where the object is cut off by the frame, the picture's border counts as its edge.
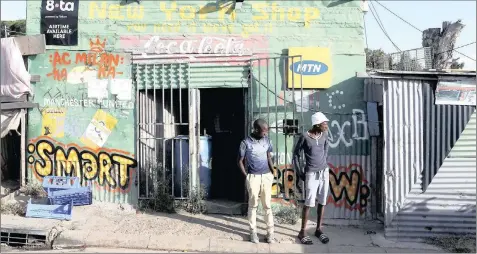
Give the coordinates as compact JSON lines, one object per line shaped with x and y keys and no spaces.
{"x":80,"y":196}
{"x":53,"y":183}
{"x":59,"y":212}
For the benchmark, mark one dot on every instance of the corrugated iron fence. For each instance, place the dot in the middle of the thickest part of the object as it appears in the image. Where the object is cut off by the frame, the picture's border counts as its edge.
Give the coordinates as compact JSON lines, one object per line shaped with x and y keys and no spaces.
{"x":442,"y":127}
{"x":418,"y":135}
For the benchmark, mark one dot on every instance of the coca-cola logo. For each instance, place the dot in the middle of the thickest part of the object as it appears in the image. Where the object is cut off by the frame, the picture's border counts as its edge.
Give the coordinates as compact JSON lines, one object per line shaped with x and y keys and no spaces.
{"x":205,"y":45}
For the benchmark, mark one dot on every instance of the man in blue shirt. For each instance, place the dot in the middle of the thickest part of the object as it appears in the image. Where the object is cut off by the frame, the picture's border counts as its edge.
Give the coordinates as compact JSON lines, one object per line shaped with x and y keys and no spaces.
{"x":255,"y":161}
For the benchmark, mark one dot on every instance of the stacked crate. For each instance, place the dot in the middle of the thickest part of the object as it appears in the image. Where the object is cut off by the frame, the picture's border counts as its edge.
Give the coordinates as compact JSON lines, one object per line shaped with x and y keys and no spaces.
{"x":64,"y":192}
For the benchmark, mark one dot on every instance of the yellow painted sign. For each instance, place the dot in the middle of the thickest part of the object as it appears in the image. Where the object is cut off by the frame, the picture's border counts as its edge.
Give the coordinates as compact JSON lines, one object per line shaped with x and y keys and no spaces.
{"x":53,"y":122}
{"x":99,"y":129}
{"x":313,"y":71}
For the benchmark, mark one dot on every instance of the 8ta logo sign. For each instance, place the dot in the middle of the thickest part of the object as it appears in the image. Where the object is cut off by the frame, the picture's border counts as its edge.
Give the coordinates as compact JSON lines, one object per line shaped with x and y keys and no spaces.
{"x":68,"y":6}
{"x":59,"y":22}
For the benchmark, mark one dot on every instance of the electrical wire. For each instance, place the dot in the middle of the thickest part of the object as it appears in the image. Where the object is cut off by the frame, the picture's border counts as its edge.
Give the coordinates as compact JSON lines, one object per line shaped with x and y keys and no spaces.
{"x":381,"y":24}
{"x":454,"y":49}
{"x":398,"y":16}
{"x":384,"y":31}
{"x":377,"y":15}
{"x":407,"y":22}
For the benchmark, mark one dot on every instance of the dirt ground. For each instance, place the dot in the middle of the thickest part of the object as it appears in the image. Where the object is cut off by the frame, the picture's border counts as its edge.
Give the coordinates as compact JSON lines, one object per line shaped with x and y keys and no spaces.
{"x":101,"y":219}
{"x":104,"y":217}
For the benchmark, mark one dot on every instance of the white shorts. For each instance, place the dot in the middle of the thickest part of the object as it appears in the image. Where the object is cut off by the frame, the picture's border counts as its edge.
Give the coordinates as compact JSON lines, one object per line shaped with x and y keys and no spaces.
{"x":317,"y":185}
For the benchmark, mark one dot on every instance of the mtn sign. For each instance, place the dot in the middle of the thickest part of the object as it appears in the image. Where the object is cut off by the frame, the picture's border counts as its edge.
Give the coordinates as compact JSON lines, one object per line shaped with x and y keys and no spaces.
{"x":313,"y":71}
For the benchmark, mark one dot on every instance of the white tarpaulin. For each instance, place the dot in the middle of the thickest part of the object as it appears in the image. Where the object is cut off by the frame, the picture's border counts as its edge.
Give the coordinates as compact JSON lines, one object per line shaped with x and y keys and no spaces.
{"x":11,"y":120}
{"x":15,"y":79}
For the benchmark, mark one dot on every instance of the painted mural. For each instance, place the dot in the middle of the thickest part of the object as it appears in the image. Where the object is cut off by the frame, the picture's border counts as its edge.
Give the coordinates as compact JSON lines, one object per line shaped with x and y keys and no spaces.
{"x":349,"y":187}
{"x":82,"y":126}
{"x":87,"y":100}
{"x":110,"y":169}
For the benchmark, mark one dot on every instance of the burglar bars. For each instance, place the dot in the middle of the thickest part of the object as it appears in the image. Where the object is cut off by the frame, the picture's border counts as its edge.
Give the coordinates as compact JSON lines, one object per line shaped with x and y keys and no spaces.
{"x":266,"y":76}
{"x":163,"y":95}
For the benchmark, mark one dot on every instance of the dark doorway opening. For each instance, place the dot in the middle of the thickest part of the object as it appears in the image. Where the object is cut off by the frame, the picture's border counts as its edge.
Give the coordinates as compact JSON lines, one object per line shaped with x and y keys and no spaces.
{"x":222,"y":113}
{"x":380,"y":197}
{"x":11,"y":162}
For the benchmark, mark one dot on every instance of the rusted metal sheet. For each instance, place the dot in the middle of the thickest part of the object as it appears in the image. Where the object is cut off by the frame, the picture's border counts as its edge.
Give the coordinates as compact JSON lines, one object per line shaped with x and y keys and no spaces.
{"x":350,"y":187}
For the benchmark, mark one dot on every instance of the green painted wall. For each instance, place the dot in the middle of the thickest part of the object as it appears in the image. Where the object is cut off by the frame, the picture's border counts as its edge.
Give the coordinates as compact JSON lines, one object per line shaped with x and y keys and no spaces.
{"x":266,"y":28}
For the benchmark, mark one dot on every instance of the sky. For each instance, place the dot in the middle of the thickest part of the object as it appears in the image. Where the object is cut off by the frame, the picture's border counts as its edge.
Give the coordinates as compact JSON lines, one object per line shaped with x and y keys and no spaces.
{"x":422,"y":14}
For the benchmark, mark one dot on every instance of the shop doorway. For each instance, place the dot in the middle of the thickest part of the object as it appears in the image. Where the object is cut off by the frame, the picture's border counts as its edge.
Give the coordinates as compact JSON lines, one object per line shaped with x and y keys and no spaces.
{"x":222,"y":117}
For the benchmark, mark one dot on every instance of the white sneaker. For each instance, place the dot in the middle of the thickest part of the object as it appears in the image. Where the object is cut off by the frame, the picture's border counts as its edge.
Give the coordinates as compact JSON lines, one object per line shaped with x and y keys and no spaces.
{"x":254,"y":238}
{"x":270,"y":238}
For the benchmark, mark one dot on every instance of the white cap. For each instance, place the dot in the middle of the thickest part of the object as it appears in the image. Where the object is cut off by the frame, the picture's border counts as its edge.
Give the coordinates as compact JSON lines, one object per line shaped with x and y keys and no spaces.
{"x":318,"y":118}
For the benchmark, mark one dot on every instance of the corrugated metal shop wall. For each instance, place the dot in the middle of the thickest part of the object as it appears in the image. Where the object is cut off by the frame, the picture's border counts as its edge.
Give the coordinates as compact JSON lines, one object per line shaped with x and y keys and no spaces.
{"x":418,"y":137}
{"x":403,"y":150}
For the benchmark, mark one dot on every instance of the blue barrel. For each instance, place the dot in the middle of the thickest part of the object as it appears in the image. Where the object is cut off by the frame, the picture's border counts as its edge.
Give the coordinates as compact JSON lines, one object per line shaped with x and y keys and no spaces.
{"x":181,"y":161}
{"x":181,"y":165}
{"x":205,"y":164}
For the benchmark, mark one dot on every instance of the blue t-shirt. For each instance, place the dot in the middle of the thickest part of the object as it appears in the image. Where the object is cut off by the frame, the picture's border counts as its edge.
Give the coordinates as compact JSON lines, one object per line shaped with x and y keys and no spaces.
{"x":255,"y":152}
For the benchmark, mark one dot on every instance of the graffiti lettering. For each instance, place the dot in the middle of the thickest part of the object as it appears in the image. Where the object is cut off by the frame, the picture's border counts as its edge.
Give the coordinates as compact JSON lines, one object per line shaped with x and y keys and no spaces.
{"x":88,"y":103}
{"x":115,"y":11}
{"x":110,"y":169}
{"x":97,"y":62}
{"x":293,"y":14}
{"x":348,"y":187}
{"x":282,"y":158}
{"x":244,"y":30}
{"x":360,"y":125}
{"x":172,"y":11}
{"x":285,"y":183}
{"x":178,"y":18}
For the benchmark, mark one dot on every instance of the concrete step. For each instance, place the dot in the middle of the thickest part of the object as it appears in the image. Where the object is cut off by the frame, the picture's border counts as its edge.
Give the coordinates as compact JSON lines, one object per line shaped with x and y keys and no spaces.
{"x":225,"y":207}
